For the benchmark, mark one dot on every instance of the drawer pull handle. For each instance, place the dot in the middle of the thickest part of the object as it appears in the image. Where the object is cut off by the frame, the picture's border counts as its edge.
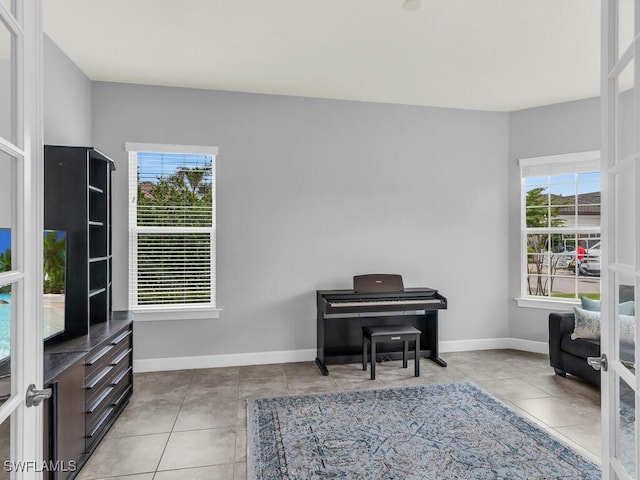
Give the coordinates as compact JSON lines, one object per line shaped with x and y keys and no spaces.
{"x":99,"y":400}
{"x":124,"y":354}
{"x":96,"y":380}
{"x":100,"y":354}
{"x":121,"y":376}
{"x":99,"y":423}
{"x":124,"y":394}
{"x":116,"y":341}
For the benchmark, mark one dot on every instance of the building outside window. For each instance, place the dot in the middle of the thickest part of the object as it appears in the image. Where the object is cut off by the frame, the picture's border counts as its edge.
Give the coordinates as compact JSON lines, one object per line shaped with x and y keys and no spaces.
{"x":560,"y":247}
{"x":172,"y":232}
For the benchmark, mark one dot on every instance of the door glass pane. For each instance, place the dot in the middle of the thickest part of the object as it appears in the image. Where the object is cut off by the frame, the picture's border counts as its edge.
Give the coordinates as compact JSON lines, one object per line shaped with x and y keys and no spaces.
{"x":626,"y":15}
{"x":626,"y":438}
{"x":624,"y":112}
{"x":8,"y":182}
{"x":626,"y":320}
{"x":6,"y":316}
{"x":625,"y":218}
{"x":7,"y":84}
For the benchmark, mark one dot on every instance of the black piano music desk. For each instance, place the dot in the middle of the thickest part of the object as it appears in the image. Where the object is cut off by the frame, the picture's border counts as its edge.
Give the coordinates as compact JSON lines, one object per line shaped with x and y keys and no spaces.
{"x":343,"y":313}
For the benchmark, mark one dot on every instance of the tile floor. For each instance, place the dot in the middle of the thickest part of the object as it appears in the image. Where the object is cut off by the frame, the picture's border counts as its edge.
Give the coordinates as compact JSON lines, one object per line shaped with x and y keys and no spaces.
{"x":191,"y":424}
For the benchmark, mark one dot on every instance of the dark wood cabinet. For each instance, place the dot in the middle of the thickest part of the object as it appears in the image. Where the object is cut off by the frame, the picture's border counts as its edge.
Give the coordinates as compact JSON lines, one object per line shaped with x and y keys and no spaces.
{"x":65,"y":413}
{"x":77,"y":201}
{"x":89,"y":366}
{"x":91,"y":378}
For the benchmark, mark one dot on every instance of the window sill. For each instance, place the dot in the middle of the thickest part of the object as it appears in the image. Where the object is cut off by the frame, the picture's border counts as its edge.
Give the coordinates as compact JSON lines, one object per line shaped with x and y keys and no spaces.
{"x":175,"y":313}
{"x":547,"y":303}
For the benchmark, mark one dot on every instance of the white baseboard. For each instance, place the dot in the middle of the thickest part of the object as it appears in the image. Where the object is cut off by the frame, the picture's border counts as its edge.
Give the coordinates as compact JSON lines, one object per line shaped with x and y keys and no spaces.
{"x":289,"y":356}
{"x":229,"y":360}
{"x":493,"y":344}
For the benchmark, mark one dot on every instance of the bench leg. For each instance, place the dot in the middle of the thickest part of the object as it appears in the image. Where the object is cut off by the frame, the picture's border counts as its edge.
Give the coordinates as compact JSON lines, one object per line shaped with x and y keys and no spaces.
{"x":405,"y":354}
{"x":417,"y":357}
{"x":373,"y":359}
{"x":364,"y":354}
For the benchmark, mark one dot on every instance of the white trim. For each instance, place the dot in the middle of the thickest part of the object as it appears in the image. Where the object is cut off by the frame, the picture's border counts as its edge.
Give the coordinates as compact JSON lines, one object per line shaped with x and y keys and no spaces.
{"x":181,"y":313}
{"x":546,"y":303}
{"x":308,"y":355}
{"x":166,"y":312}
{"x":228,"y":360}
{"x":167,"y":148}
{"x":574,"y":156}
{"x":588,"y":156}
{"x":494,"y":344}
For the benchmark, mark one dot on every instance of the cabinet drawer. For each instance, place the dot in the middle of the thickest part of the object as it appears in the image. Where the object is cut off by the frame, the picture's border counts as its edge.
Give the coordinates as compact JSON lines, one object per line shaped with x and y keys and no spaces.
{"x":97,"y":360}
{"x":108,"y":385}
{"x":97,"y":429}
{"x":106,"y":354}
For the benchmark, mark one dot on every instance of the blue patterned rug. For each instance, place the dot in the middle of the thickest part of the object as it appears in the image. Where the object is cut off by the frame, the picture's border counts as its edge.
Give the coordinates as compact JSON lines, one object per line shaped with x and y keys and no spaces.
{"x":452,"y":431}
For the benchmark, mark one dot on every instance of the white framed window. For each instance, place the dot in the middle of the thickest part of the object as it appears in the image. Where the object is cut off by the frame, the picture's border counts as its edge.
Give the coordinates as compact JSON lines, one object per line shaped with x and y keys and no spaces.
{"x":172,"y":229}
{"x":560,"y":228}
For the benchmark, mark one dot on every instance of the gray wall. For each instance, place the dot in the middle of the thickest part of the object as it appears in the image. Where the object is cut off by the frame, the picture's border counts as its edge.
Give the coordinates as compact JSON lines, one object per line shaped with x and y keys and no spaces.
{"x":67,"y":99}
{"x":550,"y":130}
{"x":311,"y":192}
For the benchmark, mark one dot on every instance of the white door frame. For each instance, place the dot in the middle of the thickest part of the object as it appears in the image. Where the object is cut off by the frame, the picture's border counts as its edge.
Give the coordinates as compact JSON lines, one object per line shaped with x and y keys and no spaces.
{"x":24,"y":22}
{"x":621,"y":239}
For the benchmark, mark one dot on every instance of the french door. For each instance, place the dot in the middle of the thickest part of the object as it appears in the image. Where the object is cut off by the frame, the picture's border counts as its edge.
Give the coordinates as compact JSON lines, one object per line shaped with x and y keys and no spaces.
{"x":21,"y":356}
{"x":621,"y":236}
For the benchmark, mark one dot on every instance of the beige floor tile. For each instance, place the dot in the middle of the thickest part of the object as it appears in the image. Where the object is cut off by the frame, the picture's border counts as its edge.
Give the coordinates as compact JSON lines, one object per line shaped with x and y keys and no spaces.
{"x":215,"y":472}
{"x":511,"y":388}
{"x":206,"y":411}
{"x":199,"y":448}
{"x":125,"y":456}
{"x":147,"y":417}
{"x":302,"y":385}
{"x":240,"y":472}
{"x":261,"y":371}
{"x":555,"y":413}
{"x":141,"y":476}
{"x":263,"y":387}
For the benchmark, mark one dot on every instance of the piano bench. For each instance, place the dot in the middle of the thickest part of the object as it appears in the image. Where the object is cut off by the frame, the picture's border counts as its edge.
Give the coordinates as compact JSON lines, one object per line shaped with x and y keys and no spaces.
{"x":390,"y":333}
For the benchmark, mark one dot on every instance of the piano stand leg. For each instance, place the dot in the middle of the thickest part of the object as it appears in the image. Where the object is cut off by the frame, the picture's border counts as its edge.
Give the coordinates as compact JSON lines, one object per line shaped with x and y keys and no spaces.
{"x":322,"y":367}
{"x":439,"y":361}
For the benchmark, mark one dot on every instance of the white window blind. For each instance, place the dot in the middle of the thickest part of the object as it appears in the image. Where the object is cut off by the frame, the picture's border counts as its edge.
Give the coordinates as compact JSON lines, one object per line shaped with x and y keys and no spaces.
{"x":171,"y":226}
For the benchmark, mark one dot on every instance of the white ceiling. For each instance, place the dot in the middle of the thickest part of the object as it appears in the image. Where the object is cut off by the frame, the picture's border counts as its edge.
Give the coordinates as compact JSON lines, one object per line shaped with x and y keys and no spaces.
{"x":500,"y":55}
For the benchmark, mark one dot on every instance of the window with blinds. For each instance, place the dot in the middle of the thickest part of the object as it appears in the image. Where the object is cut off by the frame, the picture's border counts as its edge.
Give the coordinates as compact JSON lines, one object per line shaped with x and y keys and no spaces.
{"x":171,"y":226}
{"x":561,"y":214}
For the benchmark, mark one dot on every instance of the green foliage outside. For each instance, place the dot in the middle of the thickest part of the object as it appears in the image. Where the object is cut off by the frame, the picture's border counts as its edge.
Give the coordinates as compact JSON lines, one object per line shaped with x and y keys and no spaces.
{"x":54,"y":256}
{"x":182,"y":199}
{"x":5,"y":266}
{"x":592,"y":296}
{"x":540,"y":214}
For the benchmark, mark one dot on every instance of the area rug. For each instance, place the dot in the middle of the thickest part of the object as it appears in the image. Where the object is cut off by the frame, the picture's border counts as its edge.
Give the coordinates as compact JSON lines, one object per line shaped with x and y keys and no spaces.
{"x":444,"y":431}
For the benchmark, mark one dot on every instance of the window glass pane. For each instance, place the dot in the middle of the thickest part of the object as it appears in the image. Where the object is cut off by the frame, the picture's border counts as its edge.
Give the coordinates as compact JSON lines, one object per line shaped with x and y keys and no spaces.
{"x":174,"y":190}
{"x":624,"y":112}
{"x":174,"y":268}
{"x":625,"y":212}
{"x":563,"y":265}
{"x":7,"y":85}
